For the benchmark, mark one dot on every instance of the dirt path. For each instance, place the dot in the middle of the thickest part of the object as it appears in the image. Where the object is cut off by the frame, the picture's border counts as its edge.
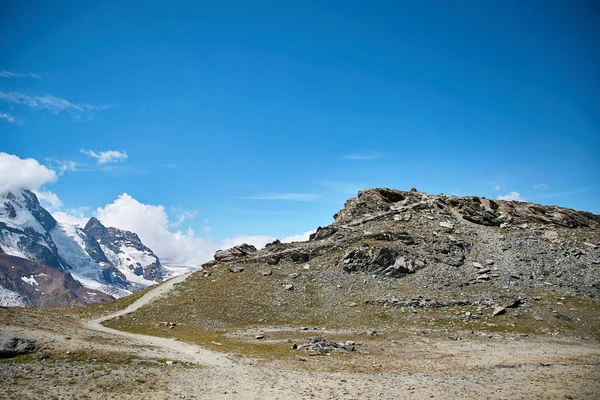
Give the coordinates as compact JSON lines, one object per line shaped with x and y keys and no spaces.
{"x":174,"y":349}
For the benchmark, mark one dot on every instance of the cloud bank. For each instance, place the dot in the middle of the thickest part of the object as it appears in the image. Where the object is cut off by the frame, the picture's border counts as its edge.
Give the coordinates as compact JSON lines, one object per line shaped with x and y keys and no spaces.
{"x":151,"y":223}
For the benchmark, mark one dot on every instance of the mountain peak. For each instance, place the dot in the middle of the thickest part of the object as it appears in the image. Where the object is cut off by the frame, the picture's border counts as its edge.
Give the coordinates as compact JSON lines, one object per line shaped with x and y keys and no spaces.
{"x":94,"y":228}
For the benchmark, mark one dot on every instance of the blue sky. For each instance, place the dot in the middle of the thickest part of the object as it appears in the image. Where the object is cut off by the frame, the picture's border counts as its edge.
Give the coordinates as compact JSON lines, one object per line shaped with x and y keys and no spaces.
{"x":262,"y":118}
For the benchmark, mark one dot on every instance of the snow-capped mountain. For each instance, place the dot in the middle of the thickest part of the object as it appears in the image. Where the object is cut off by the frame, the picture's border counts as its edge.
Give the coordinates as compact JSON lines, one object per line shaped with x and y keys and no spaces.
{"x":125,"y":250}
{"x":109,"y":260}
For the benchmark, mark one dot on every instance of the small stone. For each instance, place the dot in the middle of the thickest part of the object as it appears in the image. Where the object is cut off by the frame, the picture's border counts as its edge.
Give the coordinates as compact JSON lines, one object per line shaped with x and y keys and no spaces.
{"x":484,"y":277}
{"x":259,"y":337}
{"x":265,"y":272}
{"x":447,"y":225}
{"x":593,"y":246}
{"x":352,"y":304}
{"x":489,"y":262}
{"x":303,"y":328}
{"x":551,"y":235}
{"x":498,"y":310}
{"x":236,"y":270}
{"x":483,"y":271}
{"x":289,"y":286}
{"x":562,"y":317}
{"x":477,"y":265}
{"x":306,"y":266}
{"x":170,"y":362}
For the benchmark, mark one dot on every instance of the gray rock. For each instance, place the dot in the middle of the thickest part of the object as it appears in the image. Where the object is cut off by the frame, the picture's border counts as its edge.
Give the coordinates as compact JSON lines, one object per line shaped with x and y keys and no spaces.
{"x":447,"y":225}
{"x":499,"y":310}
{"x":12,"y":345}
{"x":236,"y":270}
{"x":265,"y":272}
{"x":234,"y":253}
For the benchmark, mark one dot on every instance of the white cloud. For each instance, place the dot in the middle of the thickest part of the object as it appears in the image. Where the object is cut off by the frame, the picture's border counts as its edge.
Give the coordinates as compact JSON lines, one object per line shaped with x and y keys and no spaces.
{"x":362,"y":156}
{"x":104,"y":157}
{"x":8,"y":74}
{"x":54,"y":104}
{"x":8,"y":117}
{"x":48,"y":200}
{"x":73,"y":216}
{"x":151,"y":223}
{"x":540,"y":186}
{"x":183,"y":215}
{"x":512,"y":196}
{"x":497,"y":188}
{"x":66,"y":166}
{"x":282,"y":196}
{"x":303,"y":237}
{"x":18,"y":173}
{"x":61,"y":166}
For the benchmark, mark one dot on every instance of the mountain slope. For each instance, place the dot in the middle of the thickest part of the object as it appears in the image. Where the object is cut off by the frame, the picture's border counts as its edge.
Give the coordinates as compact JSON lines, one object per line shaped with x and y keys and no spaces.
{"x":25,"y":283}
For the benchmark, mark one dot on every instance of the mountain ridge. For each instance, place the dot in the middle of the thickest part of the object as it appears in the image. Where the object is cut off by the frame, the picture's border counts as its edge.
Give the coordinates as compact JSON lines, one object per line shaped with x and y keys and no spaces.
{"x":117,"y":263}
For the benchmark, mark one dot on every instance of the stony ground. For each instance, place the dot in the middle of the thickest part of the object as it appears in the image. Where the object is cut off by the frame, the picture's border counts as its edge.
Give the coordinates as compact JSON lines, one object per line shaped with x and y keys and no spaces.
{"x":440,"y":368}
{"x":73,"y":360}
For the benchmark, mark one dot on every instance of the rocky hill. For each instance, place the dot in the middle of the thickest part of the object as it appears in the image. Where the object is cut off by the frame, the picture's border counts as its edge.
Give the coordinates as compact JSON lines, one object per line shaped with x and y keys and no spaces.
{"x":109,"y":260}
{"x":396,"y":260}
{"x":450,"y":242}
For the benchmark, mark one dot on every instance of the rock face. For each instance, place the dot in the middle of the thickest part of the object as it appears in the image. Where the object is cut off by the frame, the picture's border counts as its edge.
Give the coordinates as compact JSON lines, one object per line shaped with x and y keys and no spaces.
{"x":108,"y":260}
{"x":449,"y":241}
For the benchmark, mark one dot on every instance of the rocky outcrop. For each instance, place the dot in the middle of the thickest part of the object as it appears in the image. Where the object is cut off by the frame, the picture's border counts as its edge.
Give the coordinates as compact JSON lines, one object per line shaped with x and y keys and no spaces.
{"x":449,"y":241}
{"x":241,"y":251}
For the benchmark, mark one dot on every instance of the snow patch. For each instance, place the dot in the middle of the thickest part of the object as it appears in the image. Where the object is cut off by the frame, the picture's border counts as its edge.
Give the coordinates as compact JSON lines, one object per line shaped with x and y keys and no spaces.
{"x":31,"y":280}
